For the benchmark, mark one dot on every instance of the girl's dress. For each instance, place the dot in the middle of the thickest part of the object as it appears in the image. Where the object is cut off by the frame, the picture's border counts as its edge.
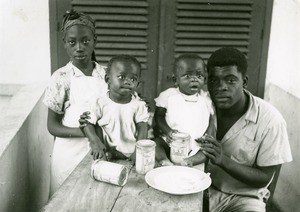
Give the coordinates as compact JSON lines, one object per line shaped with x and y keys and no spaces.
{"x":69,"y":93}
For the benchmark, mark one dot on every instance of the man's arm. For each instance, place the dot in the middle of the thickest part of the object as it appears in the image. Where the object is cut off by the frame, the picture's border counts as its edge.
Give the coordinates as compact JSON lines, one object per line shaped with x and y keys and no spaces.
{"x":253,"y":176}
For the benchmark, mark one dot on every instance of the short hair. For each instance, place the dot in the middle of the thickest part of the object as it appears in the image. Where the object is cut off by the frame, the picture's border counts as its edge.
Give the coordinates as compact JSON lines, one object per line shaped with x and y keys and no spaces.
{"x":187,"y":56}
{"x":125,"y":59}
{"x":228,"y":57}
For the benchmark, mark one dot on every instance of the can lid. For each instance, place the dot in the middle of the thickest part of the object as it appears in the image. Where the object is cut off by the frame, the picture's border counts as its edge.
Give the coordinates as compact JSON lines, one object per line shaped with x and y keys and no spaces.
{"x":145,"y":143}
{"x":93,"y":168}
{"x":180,"y":137}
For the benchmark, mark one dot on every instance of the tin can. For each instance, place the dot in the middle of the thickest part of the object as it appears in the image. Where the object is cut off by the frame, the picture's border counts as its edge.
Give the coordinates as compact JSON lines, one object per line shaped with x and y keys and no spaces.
{"x":109,"y":172}
{"x":180,"y":147}
{"x":145,"y":156}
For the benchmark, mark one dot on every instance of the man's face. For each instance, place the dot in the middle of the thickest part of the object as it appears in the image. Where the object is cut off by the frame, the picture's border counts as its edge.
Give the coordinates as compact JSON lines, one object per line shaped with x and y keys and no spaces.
{"x":226,"y":85}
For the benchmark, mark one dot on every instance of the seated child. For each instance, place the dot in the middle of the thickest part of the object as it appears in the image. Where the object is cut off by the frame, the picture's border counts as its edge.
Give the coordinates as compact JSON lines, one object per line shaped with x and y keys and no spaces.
{"x":186,"y":108}
{"x":122,"y":117}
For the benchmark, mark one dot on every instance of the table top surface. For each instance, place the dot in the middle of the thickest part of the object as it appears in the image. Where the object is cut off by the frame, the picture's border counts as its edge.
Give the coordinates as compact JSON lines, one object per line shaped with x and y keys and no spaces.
{"x":80,"y":192}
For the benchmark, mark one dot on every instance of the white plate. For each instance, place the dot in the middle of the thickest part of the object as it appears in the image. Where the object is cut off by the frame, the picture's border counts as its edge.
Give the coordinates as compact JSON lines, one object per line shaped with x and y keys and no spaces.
{"x":178,"y":180}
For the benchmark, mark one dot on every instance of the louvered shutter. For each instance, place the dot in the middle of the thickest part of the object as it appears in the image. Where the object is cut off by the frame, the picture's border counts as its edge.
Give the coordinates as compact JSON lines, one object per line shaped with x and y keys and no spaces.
{"x":121,"y":27}
{"x":203,"y":26}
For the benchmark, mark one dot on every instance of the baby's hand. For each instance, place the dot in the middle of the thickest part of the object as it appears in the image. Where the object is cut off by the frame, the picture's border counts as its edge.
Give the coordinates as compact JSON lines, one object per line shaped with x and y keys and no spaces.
{"x":170,"y":135}
{"x":186,"y":162}
{"x":115,"y":154}
{"x":133,"y":157}
{"x":98,"y":150}
{"x":83,"y":121}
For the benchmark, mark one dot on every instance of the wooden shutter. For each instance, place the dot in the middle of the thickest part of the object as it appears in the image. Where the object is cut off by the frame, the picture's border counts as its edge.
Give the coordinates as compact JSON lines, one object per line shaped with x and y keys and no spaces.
{"x":121,"y":27}
{"x":204,"y":26}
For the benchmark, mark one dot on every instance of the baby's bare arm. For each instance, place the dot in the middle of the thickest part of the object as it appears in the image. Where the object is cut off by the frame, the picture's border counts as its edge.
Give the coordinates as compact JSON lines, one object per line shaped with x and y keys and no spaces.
{"x":96,"y":143}
{"x":142,"y":130}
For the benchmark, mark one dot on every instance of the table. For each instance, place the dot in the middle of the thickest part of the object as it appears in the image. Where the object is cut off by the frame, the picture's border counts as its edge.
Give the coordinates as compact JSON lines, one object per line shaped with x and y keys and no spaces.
{"x":82,"y":193}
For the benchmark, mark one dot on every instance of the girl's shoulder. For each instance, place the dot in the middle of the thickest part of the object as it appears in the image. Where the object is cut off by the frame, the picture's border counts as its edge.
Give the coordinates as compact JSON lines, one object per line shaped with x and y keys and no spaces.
{"x":99,"y":71}
{"x":63,"y":72}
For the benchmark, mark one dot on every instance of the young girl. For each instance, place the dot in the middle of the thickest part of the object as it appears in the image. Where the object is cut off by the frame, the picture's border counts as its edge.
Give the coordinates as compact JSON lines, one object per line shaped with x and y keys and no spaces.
{"x":122,"y":117}
{"x":68,"y":94}
{"x":186,"y":108}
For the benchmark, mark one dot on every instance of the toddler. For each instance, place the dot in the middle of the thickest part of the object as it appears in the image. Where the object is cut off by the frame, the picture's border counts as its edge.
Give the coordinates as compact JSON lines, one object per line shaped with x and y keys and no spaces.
{"x":121,"y":116}
{"x":186,"y":108}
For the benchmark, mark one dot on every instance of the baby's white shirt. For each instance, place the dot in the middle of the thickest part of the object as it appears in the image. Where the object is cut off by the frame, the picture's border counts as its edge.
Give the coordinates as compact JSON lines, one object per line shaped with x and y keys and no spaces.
{"x":189,"y":114}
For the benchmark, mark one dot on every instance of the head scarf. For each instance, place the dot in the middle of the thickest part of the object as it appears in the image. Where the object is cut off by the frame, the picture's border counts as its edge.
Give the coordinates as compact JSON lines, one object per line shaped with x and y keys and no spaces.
{"x":73,"y":17}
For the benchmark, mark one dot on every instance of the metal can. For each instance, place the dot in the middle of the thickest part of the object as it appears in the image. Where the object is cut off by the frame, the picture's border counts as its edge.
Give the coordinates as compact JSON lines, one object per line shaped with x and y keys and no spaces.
{"x":180,"y":147}
{"x":109,"y":172}
{"x":145,"y":156}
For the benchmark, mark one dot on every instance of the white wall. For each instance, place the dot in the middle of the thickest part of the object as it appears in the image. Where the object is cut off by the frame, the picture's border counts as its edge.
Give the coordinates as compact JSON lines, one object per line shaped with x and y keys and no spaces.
{"x":283,"y":91}
{"x":284,"y":50}
{"x":24,"y":41}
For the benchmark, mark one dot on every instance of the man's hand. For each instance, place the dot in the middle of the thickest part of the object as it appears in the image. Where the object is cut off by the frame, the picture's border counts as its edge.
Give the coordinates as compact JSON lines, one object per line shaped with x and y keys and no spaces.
{"x":212,"y":149}
{"x":83,"y":121}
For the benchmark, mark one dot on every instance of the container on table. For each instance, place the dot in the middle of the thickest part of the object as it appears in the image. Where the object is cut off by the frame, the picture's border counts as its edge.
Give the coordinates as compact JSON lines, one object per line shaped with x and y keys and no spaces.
{"x":180,"y":147}
{"x":109,"y":172}
{"x":145,"y":156}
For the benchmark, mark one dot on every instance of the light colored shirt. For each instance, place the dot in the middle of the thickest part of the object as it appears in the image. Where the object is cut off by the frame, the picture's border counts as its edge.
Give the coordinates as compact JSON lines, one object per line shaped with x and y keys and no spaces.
{"x":118,"y":121}
{"x":186,"y":113}
{"x":57,"y":93}
{"x":258,"y":138}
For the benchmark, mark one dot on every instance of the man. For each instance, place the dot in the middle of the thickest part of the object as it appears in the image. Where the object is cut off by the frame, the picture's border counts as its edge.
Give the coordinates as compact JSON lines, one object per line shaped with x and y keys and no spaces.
{"x":251,"y":139}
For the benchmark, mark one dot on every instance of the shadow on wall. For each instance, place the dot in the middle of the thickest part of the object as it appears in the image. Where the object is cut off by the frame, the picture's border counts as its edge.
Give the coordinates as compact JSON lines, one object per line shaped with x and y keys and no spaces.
{"x":25,"y":151}
{"x":287,"y":192}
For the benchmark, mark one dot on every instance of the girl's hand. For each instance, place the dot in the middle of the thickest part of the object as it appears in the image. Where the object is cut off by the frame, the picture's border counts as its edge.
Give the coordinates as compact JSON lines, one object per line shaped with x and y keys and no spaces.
{"x":213,"y":150}
{"x":83,"y":121}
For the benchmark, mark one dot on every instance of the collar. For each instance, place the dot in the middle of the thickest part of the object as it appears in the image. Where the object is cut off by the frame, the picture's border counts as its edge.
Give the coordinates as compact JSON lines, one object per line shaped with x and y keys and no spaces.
{"x":252,"y":112}
{"x":189,"y":98}
{"x":78,"y":73}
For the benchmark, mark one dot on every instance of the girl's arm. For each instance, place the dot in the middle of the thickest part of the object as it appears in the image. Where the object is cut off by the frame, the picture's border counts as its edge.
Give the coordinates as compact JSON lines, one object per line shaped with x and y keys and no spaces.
{"x":56,"y":128}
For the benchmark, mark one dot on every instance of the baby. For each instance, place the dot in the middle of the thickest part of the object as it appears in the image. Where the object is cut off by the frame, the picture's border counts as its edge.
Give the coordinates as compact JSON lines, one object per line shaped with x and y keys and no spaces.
{"x":186,"y":108}
{"x":122,"y":116}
